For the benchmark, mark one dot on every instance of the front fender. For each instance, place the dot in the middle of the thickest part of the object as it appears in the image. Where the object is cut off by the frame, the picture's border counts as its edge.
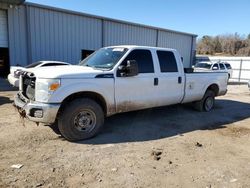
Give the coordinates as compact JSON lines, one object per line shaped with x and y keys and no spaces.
{"x":103,"y":87}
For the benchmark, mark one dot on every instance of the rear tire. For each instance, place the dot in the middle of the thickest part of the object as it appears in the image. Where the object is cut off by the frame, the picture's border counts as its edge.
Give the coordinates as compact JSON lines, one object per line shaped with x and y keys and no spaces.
{"x":206,"y":104}
{"x":81,"y":119}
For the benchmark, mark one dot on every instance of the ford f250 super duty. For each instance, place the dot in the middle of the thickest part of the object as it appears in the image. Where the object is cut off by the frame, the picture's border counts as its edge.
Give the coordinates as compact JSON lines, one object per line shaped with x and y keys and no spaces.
{"x":113,"y":80}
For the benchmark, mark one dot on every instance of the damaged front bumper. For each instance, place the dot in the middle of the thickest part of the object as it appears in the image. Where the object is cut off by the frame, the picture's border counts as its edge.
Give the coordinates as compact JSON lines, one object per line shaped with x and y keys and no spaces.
{"x":35,"y":111}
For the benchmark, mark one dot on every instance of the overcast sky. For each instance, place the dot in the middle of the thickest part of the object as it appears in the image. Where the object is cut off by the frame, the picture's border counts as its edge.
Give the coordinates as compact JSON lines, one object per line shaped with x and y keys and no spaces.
{"x":202,"y":17}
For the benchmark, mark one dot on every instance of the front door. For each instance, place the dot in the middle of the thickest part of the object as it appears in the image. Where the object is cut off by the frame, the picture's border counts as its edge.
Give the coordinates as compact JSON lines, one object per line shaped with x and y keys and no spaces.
{"x":137,"y":92}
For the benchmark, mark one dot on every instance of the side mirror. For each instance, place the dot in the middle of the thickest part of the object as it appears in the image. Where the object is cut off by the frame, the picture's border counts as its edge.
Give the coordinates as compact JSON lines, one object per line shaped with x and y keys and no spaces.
{"x":128,"y":70}
{"x":215,"y":68}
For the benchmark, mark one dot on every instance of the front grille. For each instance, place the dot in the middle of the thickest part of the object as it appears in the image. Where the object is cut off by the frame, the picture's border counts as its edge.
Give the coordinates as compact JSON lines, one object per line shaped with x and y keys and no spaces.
{"x":28,"y":85}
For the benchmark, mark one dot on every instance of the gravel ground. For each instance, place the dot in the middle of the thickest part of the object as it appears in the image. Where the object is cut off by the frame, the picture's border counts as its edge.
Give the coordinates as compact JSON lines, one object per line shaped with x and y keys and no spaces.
{"x":165,"y":147}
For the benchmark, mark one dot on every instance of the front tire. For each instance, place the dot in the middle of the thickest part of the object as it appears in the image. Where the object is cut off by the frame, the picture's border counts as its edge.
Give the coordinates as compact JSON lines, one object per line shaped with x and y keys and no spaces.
{"x":81,"y":119}
{"x":206,"y":104}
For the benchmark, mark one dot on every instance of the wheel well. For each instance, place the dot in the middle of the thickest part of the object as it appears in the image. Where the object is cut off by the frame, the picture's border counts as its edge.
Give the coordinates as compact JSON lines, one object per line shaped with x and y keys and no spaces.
{"x":91,"y":95}
{"x":214,"y":88}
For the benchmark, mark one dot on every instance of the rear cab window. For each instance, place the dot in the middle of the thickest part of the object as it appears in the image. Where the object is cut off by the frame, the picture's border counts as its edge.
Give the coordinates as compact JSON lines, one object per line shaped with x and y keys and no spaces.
{"x":228,"y":66}
{"x":52,"y":64}
{"x":167,"y":61}
{"x":33,"y":64}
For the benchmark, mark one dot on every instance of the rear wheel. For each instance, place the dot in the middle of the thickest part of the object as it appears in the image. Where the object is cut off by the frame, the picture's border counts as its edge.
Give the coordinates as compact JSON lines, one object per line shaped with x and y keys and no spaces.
{"x":206,"y":104}
{"x":81,"y":119}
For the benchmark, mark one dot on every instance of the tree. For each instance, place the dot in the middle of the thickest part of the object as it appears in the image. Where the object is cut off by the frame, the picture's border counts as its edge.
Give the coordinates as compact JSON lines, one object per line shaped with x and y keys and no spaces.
{"x":205,"y":45}
{"x":217,"y":45}
{"x":230,"y":44}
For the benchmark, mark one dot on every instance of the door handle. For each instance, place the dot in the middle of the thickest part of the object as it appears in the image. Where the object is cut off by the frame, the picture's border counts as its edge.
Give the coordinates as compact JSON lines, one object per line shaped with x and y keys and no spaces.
{"x":179,"y":80}
{"x":156,"y":81}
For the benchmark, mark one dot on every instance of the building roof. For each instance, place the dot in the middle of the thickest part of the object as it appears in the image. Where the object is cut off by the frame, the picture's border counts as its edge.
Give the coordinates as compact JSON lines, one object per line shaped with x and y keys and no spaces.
{"x":104,"y":18}
{"x":14,"y":2}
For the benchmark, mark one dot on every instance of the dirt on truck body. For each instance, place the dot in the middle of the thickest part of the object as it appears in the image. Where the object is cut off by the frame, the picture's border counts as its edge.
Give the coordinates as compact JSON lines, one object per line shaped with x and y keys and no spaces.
{"x":171,"y":146}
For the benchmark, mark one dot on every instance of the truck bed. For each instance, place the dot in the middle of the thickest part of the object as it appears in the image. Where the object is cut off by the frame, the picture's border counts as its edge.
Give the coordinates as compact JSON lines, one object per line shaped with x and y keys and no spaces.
{"x":198,"y":82}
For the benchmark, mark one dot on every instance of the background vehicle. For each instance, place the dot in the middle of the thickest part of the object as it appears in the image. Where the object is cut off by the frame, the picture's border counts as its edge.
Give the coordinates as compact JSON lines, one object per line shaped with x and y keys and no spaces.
{"x":113,"y":80}
{"x":15,"y":71}
{"x":218,"y":66}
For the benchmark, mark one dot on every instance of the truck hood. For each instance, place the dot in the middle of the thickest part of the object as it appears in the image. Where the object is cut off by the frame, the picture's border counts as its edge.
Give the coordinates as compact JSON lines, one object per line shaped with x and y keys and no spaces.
{"x":67,"y":71}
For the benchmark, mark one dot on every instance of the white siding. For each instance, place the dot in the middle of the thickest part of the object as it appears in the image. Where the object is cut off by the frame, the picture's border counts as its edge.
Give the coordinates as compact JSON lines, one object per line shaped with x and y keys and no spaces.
{"x":183,"y":43}
{"x":125,"y":34}
{"x":3,"y":29}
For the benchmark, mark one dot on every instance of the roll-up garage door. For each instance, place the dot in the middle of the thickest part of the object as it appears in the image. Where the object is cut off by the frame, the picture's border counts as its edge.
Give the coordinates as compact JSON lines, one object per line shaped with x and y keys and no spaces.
{"x":3,"y":29}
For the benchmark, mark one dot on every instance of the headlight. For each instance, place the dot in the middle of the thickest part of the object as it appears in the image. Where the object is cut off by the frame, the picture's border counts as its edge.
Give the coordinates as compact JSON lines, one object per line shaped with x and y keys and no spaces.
{"x":45,"y":88}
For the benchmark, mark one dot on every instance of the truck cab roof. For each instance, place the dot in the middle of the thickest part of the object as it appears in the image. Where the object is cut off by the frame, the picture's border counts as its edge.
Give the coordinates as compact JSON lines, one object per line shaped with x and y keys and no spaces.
{"x":140,"y":47}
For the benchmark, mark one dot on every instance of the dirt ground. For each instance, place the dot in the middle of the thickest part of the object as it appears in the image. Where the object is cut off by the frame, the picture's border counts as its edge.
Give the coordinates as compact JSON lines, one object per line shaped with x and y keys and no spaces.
{"x":165,"y":147}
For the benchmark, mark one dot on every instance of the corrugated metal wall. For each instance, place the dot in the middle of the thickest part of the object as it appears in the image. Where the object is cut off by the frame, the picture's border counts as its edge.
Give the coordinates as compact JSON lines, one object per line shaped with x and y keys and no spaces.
{"x":60,"y":36}
{"x":3,"y":29}
{"x":183,"y":43}
{"x":17,"y":36}
{"x":55,"y":34}
{"x":119,"y":34}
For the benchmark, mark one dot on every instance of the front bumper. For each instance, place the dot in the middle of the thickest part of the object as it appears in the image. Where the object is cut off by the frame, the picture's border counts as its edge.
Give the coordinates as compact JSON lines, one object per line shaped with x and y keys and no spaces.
{"x":35,"y":111}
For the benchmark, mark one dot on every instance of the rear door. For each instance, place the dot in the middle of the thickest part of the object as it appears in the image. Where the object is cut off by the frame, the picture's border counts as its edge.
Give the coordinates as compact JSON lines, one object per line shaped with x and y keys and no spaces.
{"x":137,"y":92}
{"x":171,"y":80}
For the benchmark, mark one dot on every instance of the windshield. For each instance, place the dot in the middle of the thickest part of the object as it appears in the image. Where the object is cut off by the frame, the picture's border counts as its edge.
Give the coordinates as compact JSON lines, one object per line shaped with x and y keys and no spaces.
{"x":104,"y":58}
{"x":203,"y":65}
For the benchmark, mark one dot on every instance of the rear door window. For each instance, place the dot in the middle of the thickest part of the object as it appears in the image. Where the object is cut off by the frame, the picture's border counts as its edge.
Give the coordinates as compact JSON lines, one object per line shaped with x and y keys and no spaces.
{"x":222,"y":66}
{"x":167,"y":61}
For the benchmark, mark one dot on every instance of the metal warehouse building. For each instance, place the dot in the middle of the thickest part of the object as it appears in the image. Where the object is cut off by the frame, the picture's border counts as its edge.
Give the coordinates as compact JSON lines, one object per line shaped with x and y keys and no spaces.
{"x":31,"y":32}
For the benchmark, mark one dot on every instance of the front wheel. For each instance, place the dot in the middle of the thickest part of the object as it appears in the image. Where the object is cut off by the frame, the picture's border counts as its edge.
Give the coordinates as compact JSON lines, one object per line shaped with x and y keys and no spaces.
{"x":206,"y":104}
{"x":81,"y":119}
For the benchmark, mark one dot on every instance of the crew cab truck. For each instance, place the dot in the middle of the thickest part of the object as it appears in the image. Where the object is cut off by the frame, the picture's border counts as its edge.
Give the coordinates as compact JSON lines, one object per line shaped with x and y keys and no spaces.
{"x":113,"y":80}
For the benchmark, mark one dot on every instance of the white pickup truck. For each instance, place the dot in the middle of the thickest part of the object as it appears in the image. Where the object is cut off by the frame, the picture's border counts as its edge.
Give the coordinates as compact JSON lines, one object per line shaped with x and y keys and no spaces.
{"x":113,"y":80}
